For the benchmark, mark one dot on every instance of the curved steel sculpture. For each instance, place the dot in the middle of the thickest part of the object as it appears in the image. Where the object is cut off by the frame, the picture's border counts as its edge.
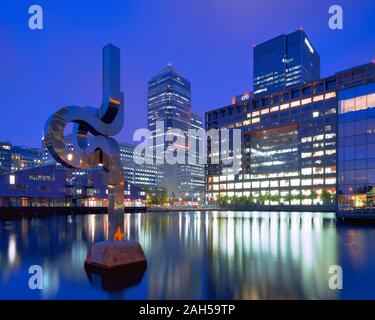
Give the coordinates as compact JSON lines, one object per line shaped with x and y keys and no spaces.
{"x":101,"y":123}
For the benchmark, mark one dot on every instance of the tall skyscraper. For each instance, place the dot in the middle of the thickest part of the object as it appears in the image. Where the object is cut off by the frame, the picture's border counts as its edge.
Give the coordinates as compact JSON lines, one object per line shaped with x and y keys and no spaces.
{"x":284,"y":62}
{"x":169,"y":101}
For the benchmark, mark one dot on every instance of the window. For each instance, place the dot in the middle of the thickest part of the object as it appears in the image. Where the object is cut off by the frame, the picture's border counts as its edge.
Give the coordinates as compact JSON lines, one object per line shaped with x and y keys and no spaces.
{"x":331,"y":180}
{"x":318,"y":170}
{"x":330,"y":152}
{"x":306,"y":139}
{"x":330,"y":95}
{"x":295,"y":103}
{"x":265,"y":184}
{"x":319,"y":98}
{"x":306,"y":171}
{"x":331,"y":169}
{"x":306,"y":182}
{"x":247,"y":185}
{"x":347,"y":105}
{"x":255,"y":184}
{"x":318,"y":181}
{"x":318,"y":153}
{"x":306,"y":101}
{"x":330,"y":135}
{"x":12,"y":179}
{"x":315,"y":114}
{"x":306,"y":155}
{"x":318,"y":137}
{"x":371,"y":100}
{"x":274,"y":183}
{"x":295,"y":182}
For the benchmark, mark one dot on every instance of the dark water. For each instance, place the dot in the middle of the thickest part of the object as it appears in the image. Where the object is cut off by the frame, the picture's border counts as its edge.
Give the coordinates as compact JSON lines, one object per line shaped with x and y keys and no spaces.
{"x":197,"y":255}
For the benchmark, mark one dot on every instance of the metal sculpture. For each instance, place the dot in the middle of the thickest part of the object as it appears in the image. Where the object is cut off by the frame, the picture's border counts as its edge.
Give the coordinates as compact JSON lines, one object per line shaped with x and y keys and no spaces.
{"x":101,"y":123}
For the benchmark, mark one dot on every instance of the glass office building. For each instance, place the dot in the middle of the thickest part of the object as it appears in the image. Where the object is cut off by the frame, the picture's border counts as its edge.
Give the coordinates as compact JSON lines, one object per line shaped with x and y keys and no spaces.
{"x":356,"y":178}
{"x":146,"y":176}
{"x":313,"y":145}
{"x":169,"y":101}
{"x":283,"y":62}
{"x":288,"y":147}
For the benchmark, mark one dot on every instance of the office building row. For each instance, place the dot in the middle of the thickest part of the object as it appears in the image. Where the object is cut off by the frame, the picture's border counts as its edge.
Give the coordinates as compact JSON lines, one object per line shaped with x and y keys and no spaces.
{"x":56,"y":186}
{"x":16,"y":158}
{"x":311,"y":143}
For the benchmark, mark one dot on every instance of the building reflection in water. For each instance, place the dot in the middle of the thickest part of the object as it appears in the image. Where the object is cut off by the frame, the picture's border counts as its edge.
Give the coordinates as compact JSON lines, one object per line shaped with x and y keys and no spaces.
{"x":357,"y":255}
{"x":196,"y":255}
{"x":239,"y":255}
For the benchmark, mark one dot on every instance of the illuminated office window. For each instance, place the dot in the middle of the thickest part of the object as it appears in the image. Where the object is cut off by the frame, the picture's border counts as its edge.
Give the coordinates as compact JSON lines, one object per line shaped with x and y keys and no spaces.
{"x":330,"y":95}
{"x":295,"y":103}
{"x":12,"y":179}
{"x":306,"y":101}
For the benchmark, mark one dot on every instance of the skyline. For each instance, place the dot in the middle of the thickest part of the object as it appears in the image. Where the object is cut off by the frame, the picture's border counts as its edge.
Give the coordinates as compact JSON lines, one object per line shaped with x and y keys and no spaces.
{"x":37,"y":63}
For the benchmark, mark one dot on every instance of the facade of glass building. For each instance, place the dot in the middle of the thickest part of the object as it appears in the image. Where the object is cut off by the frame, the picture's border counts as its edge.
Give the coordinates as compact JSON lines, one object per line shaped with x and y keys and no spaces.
{"x":146,"y":176}
{"x":191,"y":177}
{"x":356,"y":143}
{"x":288,"y":147}
{"x":284,"y":62}
{"x":169,"y":101}
{"x":310,"y":145}
{"x":26,"y":158}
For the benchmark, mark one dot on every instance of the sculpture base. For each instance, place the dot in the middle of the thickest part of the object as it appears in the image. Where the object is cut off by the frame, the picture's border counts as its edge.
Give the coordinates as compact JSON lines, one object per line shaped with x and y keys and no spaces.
{"x":111,"y":255}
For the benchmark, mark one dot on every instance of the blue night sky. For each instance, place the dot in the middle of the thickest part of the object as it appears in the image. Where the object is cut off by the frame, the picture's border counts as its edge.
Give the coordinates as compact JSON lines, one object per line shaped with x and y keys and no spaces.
{"x":208,"y":41}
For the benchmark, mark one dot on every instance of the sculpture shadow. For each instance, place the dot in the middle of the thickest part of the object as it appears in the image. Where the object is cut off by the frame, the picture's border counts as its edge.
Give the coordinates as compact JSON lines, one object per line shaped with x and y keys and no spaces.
{"x":116,"y":279}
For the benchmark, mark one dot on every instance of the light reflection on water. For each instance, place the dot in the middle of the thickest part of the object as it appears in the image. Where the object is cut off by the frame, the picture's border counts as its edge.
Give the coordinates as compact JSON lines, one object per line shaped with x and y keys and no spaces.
{"x":196,"y":255}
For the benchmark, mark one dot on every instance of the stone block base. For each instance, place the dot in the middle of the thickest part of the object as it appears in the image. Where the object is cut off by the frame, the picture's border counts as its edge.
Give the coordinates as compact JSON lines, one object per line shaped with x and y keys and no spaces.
{"x":109,"y":255}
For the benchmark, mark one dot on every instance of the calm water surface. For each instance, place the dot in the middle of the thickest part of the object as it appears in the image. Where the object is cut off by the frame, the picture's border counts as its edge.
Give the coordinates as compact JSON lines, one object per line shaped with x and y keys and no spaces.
{"x":196,"y":255}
